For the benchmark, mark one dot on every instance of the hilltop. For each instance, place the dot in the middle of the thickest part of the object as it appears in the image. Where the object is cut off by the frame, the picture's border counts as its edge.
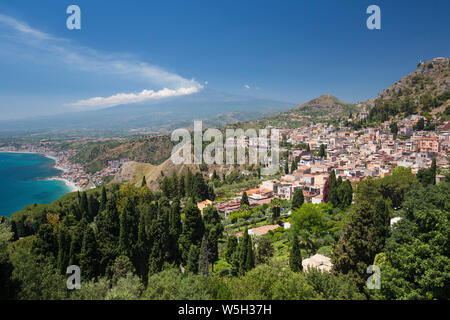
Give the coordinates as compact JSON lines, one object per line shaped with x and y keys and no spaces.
{"x":324,"y":108}
{"x":427,"y":90}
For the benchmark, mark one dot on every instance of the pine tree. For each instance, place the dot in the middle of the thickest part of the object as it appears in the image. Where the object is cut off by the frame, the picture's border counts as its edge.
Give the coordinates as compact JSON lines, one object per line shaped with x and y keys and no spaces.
{"x":295,"y":258}
{"x":298,"y":199}
{"x":244,"y":200}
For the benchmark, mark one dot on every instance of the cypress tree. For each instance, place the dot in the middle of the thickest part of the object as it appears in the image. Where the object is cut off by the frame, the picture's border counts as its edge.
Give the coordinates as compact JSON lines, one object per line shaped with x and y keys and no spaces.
{"x":84,"y":206}
{"x":104,"y":199}
{"x":160,"y":240}
{"x":76,"y":243}
{"x":250,"y":259}
{"x":89,"y":258}
{"x":15,"y":235}
{"x":213,"y":231}
{"x":295,"y":258}
{"x":144,"y":182}
{"x":244,"y":200}
{"x":175,"y":230}
{"x":286,"y":166}
{"x":193,"y":229}
{"x":298,"y":199}
{"x":356,"y":247}
{"x":204,"y":257}
{"x":381,"y":221}
{"x":192,"y":260}
{"x":63,"y":249}
{"x":246,"y":259}
{"x":232,"y":246}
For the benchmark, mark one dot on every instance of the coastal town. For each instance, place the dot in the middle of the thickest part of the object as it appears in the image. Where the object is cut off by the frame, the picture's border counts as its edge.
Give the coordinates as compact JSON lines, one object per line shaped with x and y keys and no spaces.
{"x":72,"y":174}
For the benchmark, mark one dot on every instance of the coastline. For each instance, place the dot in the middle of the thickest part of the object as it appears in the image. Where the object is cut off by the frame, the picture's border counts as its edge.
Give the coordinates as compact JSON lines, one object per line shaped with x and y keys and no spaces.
{"x":72,"y":186}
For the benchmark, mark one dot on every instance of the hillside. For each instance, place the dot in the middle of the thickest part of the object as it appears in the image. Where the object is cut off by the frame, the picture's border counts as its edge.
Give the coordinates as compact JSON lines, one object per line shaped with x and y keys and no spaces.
{"x":152,"y":149}
{"x":326,"y":107}
{"x":427,"y":90}
{"x":134,"y":171}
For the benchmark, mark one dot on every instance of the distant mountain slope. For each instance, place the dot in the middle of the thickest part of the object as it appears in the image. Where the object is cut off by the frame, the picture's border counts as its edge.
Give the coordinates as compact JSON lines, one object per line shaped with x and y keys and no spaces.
{"x":152,"y":149}
{"x":159,"y":116}
{"x":425,"y":90}
{"x":325,"y":107}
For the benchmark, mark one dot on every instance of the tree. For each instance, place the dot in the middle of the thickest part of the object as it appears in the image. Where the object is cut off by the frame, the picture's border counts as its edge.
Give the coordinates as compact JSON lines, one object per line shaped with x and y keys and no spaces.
{"x":381,"y":224}
{"x":356,"y":248}
{"x":104,"y":199}
{"x":263,"y":250}
{"x":232,"y":246}
{"x":276,"y":209}
{"x":89,"y":258}
{"x":244,"y":200}
{"x":203,"y":261}
{"x":193,"y":229}
{"x":394,"y":128}
{"x":175,"y":229}
{"x":295,"y":258}
{"x":193,"y":259}
{"x":323,"y":151}
{"x":246,"y":259}
{"x":416,"y":255}
{"x":428,"y":176}
{"x":298,"y":199}
{"x":419,"y":125}
{"x":63,"y":249}
{"x":159,"y":253}
{"x":332,"y":192}
{"x":213,"y":232}
{"x":144,"y":182}
{"x":345,"y":194}
{"x":121,"y":267}
{"x":6,"y":267}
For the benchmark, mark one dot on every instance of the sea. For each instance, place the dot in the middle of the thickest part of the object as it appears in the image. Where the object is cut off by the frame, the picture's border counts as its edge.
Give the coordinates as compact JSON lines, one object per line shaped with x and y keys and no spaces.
{"x":23,"y":181}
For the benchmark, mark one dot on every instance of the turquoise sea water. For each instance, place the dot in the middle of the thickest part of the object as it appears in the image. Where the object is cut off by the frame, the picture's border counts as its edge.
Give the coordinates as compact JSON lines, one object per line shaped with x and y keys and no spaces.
{"x":22,"y":184}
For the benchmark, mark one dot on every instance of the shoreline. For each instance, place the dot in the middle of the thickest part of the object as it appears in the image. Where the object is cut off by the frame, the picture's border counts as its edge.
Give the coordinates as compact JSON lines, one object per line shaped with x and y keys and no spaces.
{"x":72,"y":186}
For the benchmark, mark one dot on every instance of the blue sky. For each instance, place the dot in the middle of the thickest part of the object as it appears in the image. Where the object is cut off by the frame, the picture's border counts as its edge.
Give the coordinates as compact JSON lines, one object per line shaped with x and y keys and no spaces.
{"x":130,"y":51}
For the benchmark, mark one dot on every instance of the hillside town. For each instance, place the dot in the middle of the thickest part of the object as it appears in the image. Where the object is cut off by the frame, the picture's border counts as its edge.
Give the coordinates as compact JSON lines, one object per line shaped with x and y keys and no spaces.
{"x":353,"y":155}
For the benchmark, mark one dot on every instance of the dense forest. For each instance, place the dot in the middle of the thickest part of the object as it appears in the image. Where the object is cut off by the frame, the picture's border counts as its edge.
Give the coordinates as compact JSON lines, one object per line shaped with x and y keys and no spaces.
{"x":135,"y":243}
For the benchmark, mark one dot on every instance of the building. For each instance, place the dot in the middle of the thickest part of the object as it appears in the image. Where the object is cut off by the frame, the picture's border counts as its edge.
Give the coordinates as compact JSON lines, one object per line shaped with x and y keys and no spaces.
{"x":204,"y":204}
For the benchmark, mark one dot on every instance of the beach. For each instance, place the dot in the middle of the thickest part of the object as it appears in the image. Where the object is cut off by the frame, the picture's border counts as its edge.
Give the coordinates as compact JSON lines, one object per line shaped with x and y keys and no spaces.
{"x":73,"y":186}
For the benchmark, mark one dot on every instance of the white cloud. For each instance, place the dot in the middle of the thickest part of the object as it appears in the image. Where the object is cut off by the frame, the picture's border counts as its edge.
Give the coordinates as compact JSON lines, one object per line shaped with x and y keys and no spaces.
{"x":125,"y":98}
{"x":246,"y":86}
{"x":89,"y":60}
